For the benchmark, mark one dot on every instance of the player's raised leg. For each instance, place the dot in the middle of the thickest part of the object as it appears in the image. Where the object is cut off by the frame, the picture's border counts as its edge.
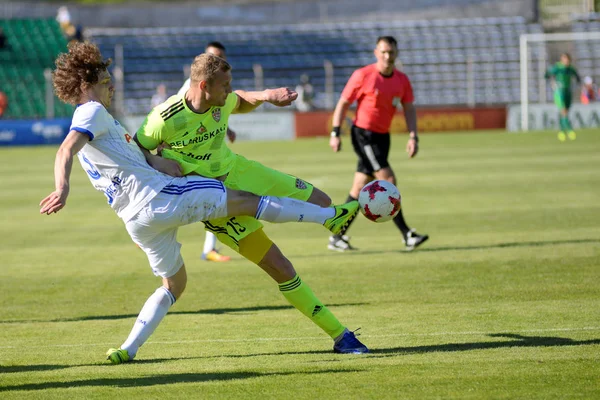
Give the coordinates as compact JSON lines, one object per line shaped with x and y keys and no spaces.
{"x":283,"y":209}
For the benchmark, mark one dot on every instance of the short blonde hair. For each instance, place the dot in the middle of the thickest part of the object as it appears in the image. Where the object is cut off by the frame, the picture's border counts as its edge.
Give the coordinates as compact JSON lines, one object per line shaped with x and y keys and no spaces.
{"x":206,"y":66}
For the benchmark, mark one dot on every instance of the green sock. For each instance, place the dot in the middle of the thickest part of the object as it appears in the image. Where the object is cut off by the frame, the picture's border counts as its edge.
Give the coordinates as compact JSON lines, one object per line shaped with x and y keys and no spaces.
{"x":565,"y":124}
{"x":561,"y":121}
{"x":300,"y":296}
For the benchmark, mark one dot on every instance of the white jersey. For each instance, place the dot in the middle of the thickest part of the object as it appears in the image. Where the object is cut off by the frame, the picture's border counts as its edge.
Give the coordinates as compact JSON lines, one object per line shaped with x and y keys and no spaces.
{"x":185,"y":87}
{"x":114,"y":163}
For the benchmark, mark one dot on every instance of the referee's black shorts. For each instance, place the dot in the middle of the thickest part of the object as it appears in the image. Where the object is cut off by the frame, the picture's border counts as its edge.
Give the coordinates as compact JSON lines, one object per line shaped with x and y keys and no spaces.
{"x":372,"y":149}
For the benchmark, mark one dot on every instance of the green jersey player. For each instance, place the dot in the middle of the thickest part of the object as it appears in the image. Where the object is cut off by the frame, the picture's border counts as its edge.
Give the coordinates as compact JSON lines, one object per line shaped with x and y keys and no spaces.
{"x":562,"y":74}
{"x":193,"y":127}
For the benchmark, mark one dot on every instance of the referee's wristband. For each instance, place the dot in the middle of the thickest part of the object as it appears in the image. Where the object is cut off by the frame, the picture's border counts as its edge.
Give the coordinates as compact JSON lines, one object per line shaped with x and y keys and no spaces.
{"x":335,"y":132}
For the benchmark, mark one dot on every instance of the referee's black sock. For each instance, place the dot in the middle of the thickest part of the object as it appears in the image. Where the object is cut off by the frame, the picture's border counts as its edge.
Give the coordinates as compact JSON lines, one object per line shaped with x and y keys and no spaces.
{"x":401,"y":224}
{"x":343,"y":231}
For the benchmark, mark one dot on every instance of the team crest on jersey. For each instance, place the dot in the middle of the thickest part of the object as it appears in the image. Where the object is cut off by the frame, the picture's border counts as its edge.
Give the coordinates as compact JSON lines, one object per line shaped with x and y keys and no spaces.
{"x":201,"y":129}
{"x":216,"y":114}
{"x":300,"y":184}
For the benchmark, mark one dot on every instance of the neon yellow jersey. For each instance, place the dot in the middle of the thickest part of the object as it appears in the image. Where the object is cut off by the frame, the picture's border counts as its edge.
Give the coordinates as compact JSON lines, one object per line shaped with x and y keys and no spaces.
{"x":197,"y":140}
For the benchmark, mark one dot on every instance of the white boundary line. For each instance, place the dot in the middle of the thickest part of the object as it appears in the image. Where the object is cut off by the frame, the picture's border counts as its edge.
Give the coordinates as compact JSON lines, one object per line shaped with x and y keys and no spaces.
{"x":466,"y":333}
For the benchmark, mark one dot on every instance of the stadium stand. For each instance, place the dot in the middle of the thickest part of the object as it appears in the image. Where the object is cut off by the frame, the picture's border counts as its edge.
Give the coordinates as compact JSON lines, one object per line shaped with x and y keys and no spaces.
{"x":434,"y":54}
{"x":32,"y":45}
{"x":586,"y":53}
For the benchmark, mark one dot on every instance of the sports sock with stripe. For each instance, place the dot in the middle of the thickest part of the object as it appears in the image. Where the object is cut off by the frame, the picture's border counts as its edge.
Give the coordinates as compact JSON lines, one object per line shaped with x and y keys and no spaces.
{"x":285,"y":209}
{"x":152,"y":313}
{"x":300,"y":296}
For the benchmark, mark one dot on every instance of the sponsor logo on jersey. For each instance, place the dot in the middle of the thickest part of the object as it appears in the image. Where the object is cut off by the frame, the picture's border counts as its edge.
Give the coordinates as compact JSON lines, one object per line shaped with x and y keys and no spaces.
{"x":300,"y":184}
{"x":200,"y":157}
{"x":216,"y":114}
{"x":199,"y":138}
{"x":201,"y":129}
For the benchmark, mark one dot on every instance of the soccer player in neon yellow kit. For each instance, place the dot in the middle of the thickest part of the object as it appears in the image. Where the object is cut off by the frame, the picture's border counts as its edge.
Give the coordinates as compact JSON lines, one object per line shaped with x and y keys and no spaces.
{"x":562,"y":74}
{"x":193,"y":127}
{"x":210,"y":252}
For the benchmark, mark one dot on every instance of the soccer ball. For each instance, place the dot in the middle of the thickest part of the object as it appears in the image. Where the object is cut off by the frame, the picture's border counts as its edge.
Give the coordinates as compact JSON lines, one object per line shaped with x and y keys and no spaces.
{"x":379,"y":201}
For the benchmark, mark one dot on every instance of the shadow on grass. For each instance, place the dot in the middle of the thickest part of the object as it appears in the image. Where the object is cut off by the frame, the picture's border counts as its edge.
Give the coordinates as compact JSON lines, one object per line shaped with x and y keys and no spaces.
{"x":5,"y":369}
{"x":210,"y":311}
{"x":428,"y":249}
{"x":166,"y":379}
{"x":520,"y":341}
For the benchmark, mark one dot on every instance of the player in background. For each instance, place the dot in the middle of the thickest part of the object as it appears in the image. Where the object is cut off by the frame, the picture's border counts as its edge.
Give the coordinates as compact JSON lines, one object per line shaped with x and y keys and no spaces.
{"x":210,"y":252}
{"x":378,"y":89}
{"x":192,"y":128}
{"x":560,"y":76}
{"x":154,"y":205}
{"x":589,"y":91}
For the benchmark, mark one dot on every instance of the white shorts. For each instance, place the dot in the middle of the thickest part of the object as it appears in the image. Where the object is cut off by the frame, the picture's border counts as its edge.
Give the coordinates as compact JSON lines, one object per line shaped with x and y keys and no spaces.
{"x":186,"y":200}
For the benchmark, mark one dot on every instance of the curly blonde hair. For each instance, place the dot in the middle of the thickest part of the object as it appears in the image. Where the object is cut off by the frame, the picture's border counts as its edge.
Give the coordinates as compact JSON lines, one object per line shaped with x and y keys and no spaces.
{"x":77,"y":70}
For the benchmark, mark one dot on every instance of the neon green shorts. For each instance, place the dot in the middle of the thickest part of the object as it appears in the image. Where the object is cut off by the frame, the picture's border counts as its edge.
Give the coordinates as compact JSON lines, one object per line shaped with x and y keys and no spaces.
{"x":252,"y":176}
{"x":562,"y":99}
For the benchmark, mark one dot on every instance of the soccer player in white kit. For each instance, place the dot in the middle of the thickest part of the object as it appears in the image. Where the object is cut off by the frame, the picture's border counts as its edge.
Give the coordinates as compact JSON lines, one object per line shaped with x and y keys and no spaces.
{"x":153,"y":204}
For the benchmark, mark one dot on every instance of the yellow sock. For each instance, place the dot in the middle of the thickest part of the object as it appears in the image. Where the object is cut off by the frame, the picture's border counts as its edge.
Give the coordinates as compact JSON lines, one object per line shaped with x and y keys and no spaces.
{"x":300,"y":296}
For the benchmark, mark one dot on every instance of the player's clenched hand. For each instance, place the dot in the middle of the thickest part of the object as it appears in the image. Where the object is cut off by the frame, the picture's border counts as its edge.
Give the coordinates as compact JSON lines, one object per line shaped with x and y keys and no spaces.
{"x":280,"y":97}
{"x":54,"y":202}
{"x":166,"y":166}
{"x":335,"y":143}
{"x":412,"y":147}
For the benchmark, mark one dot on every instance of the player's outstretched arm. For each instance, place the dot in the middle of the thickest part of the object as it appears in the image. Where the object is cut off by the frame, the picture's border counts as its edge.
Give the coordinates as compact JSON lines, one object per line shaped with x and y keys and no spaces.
{"x":63,"y":164}
{"x":248,"y":101}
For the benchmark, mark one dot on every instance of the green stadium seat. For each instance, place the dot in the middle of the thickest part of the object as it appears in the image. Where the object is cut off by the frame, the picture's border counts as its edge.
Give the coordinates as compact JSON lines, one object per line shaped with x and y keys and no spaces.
{"x":33,"y":44}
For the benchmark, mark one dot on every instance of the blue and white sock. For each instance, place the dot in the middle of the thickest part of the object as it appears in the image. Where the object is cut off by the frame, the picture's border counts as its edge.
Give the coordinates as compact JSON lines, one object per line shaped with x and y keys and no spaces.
{"x":154,"y":310}
{"x":285,"y":209}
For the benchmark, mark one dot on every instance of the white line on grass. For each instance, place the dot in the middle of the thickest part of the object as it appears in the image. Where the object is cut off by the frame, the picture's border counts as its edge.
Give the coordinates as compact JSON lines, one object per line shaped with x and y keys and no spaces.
{"x":274,"y":339}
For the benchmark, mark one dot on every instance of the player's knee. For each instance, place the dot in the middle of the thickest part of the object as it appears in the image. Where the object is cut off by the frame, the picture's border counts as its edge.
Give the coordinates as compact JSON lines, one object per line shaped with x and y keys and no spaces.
{"x":319,"y":198}
{"x":277,"y":265}
{"x":176,"y":284}
{"x":241,"y":203}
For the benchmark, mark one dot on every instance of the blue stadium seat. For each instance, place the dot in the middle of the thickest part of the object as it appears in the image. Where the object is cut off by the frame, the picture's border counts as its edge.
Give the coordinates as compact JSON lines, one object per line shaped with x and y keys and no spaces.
{"x":434,"y":51}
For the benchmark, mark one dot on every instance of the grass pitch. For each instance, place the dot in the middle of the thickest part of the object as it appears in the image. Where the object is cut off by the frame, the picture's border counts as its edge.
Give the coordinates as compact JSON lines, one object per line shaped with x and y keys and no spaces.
{"x":502,"y":302}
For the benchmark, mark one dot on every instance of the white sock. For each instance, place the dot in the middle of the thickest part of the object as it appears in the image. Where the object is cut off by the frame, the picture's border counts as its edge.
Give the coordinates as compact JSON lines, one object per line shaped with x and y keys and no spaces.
{"x":285,"y":209}
{"x":210,"y":241}
{"x":152,"y":313}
